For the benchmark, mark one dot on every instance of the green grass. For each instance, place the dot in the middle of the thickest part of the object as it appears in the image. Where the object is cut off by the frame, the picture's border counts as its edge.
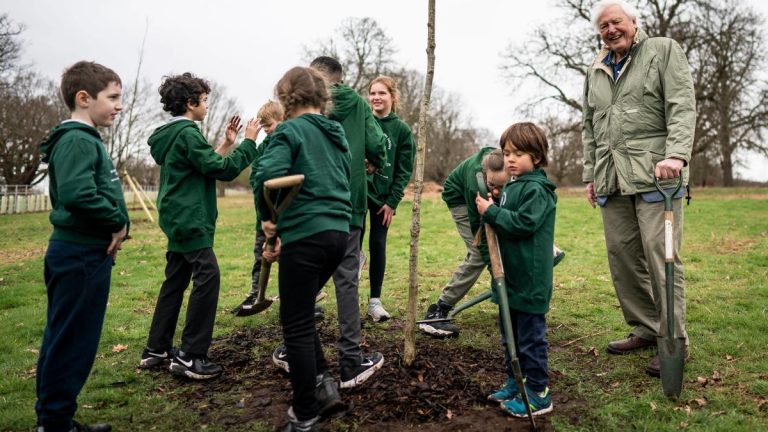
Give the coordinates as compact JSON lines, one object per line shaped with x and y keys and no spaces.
{"x":726,"y":268}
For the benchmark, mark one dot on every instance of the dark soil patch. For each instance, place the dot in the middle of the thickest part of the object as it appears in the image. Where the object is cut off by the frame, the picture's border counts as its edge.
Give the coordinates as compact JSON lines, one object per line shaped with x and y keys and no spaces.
{"x":444,"y":390}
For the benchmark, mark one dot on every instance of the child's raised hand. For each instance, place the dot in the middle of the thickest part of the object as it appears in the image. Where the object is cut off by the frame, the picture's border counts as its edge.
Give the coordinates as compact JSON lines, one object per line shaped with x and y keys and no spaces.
{"x":482,"y":203}
{"x":252,"y":129}
{"x":233,"y":128}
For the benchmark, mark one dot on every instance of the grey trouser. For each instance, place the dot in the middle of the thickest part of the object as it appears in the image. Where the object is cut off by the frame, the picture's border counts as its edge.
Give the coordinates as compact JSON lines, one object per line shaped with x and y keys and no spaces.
{"x":346,"y":280}
{"x":470,"y":270}
{"x":634,"y":237}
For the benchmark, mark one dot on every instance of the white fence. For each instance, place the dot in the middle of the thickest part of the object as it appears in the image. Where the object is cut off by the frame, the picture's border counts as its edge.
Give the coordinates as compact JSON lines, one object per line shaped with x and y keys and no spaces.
{"x":16,"y":199}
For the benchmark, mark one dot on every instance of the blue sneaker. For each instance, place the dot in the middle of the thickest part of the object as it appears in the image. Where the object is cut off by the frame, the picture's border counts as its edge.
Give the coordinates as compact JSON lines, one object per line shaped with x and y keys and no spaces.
{"x":508,"y":392}
{"x":541,"y":403}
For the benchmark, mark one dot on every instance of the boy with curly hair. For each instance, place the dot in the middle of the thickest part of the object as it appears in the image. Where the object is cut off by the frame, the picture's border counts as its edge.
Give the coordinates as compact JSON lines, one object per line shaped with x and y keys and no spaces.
{"x":186,"y":201}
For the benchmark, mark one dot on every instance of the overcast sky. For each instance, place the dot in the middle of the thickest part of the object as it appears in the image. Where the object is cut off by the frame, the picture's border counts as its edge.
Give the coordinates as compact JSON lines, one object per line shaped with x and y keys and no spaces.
{"x":248,"y":45}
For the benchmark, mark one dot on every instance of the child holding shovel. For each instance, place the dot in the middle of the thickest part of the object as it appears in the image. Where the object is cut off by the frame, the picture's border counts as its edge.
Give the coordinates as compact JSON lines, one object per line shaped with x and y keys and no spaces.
{"x":312,"y":233}
{"x":525,"y":223}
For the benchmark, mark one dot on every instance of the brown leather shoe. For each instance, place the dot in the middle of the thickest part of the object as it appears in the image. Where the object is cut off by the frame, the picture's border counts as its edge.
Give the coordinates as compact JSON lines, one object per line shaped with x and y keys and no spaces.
{"x":631,"y":343}
{"x":654,"y":366}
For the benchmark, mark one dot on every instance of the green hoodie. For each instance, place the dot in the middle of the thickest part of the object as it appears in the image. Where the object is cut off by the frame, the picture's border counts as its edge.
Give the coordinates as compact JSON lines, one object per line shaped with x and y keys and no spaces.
{"x":189,"y":168}
{"x":86,"y":196}
{"x":525,"y":227}
{"x":315,"y":146}
{"x":460,"y":189}
{"x":387,"y":186}
{"x":366,"y":141}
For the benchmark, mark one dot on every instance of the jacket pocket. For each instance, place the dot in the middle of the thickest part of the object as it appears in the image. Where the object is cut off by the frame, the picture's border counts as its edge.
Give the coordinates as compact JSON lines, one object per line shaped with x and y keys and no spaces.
{"x":643,"y":155}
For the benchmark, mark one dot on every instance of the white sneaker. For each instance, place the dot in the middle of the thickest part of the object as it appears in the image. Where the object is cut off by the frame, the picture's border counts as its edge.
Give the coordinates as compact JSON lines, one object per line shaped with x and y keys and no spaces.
{"x":376,"y":310}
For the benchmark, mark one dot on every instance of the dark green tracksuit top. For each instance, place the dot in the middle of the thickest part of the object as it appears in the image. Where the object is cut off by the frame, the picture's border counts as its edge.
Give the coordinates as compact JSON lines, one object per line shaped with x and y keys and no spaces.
{"x":86,"y":196}
{"x":387,"y":186}
{"x":252,"y":177}
{"x":525,"y":226}
{"x":189,"y":168}
{"x":366,"y":141}
{"x":460,"y":189}
{"x":315,"y":146}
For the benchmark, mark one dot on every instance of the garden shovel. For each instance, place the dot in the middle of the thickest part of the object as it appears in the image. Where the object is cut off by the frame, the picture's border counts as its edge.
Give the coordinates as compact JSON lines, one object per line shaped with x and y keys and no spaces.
{"x":671,"y":348}
{"x":294,"y":182}
{"x":497,"y":271}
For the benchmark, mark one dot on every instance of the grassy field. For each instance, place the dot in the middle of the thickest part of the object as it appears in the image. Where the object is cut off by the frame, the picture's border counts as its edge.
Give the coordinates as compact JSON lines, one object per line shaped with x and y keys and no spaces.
{"x":725,"y":243}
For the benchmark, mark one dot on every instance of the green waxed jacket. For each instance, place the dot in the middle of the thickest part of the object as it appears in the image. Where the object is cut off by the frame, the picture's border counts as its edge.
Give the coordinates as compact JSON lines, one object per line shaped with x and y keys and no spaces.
{"x":86,"y":197}
{"x":189,"y":168}
{"x":648,"y":114}
{"x":315,"y":146}
{"x":525,"y":226}
{"x":366,"y":141}
{"x":388,"y":185}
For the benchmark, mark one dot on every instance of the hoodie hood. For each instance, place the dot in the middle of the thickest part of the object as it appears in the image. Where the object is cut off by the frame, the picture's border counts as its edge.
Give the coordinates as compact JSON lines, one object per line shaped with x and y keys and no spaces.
{"x":538,"y":176}
{"x":330,"y":128}
{"x":162,"y":139}
{"x":344,"y":101}
{"x":46,"y":147}
{"x":389,"y":117}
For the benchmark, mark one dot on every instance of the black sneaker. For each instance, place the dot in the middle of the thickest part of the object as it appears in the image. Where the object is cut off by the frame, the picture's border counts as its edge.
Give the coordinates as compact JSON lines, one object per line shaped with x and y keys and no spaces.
{"x":195,"y":367}
{"x":280,"y":358}
{"x":327,"y":394}
{"x":439,"y":329}
{"x":354,"y":376}
{"x":99,"y":427}
{"x":152,"y":358}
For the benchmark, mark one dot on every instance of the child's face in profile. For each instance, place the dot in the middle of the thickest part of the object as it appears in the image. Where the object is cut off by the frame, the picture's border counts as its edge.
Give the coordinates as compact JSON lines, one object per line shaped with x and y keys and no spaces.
{"x":516,"y":161}
{"x":495,"y":180}
{"x":199,"y":111}
{"x":269,"y":126}
{"x":104,"y":108}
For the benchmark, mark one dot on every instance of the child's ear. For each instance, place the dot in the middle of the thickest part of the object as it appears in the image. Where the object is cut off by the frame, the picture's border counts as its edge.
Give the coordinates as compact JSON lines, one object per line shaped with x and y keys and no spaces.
{"x":536,"y":161}
{"x":82,"y":99}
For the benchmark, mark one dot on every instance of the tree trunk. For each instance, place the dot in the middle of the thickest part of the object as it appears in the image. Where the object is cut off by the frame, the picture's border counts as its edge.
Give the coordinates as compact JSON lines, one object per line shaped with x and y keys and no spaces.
{"x":409,"y":351}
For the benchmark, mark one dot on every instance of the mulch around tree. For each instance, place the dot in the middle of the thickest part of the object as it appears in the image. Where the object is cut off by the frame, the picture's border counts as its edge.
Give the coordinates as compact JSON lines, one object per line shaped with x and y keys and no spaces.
{"x":444,"y":390}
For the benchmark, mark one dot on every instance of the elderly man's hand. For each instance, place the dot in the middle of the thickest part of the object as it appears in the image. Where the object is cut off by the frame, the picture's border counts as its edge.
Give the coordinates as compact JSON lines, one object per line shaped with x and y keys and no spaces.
{"x":669,"y":168}
{"x":591,"y":197}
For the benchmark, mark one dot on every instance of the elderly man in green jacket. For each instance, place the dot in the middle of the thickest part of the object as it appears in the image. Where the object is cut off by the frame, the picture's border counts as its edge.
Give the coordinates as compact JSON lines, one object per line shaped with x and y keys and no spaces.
{"x":638,"y":124}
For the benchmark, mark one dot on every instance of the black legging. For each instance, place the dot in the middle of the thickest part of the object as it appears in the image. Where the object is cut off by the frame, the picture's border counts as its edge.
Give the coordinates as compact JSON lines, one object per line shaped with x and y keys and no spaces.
{"x":377,"y":246}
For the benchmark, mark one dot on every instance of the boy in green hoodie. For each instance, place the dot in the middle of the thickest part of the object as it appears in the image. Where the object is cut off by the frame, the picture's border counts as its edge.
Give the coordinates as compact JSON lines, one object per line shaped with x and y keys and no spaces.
{"x":367,"y":143}
{"x":525,"y":224}
{"x":90,"y":222}
{"x":269,"y":116}
{"x":186,"y":201}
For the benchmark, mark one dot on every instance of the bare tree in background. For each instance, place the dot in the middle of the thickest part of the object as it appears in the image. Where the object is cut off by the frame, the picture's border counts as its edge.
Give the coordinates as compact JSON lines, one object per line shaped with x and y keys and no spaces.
{"x":733,"y":101}
{"x":558,"y":62}
{"x":362,"y":47}
{"x":29,"y":108}
{"x":10,"y":44}
{"x":221,"y":108}
{"x":409,"y":350}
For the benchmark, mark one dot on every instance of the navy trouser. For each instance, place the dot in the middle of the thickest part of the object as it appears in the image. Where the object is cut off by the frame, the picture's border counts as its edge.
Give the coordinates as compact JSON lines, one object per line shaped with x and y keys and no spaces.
{"x":201,"y":266}
{"x":77,"y":280}
{"x":305,"y":266}
{"x":530,"y":331}
{"x":377,"y":248}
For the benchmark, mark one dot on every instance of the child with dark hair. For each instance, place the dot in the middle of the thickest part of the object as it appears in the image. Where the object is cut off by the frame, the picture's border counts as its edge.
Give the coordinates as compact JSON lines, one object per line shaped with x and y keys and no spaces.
{"x":90,"y":222}
{"x":525,"y":223}
{"x":367,"y":147}
{"x":386,"y":187}
{"x":269,"y":116}
{"x":186,"y":201}
{"x":312,"y":232}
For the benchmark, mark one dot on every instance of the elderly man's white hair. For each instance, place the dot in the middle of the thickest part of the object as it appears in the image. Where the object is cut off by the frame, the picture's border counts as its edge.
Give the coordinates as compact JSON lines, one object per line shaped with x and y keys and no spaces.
{"x":602,"y":5}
